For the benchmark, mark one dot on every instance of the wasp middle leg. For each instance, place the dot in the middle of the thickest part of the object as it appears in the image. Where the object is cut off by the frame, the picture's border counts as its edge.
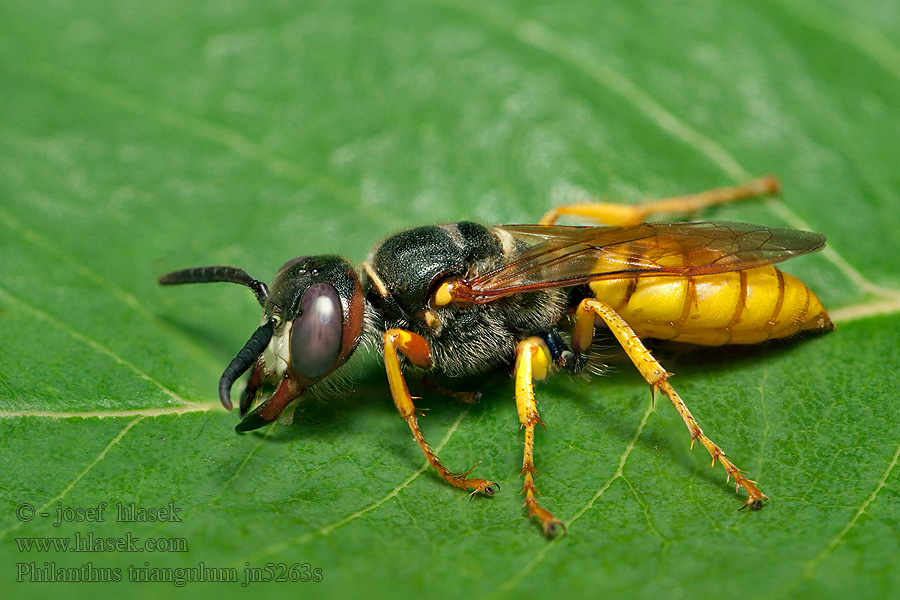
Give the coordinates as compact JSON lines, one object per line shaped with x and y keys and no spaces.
{"x":657,"y":377}
{"x":416,"y":349}
{"x":623,"y":215}
{"x":532,"y":361}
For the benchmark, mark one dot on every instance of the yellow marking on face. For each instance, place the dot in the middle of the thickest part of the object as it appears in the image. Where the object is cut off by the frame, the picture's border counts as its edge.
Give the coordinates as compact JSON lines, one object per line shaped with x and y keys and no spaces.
{"x":444,"y":294}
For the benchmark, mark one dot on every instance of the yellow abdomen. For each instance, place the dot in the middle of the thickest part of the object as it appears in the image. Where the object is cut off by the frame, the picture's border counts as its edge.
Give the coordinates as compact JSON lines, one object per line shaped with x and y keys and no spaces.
{"x":738,"y":307}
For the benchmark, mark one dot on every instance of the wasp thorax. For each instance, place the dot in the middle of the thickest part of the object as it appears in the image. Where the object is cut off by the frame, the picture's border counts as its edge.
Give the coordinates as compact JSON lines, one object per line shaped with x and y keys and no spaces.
{"x":317,"y":332}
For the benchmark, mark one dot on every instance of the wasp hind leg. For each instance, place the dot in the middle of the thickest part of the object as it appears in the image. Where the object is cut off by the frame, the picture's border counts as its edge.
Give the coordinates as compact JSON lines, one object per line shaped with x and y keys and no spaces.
{"x":532,"y":360}
{"x":657,"y":377}
{"x":417,"y":350}
{"x":622,"y":215}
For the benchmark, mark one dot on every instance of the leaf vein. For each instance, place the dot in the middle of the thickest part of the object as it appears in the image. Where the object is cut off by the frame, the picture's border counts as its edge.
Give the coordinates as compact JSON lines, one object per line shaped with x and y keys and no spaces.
{"x":92,"y":343}
{"x":80,"y":476}
{"x":814,"y":563}
{"x":240,"y":469}
{"x":117,"y":96}
{"x":869,"y":41}
{"x":539,"y":36}
{"x":127,"y":298}
{"x":111,"y":414}
{"x":864,"y":310}
{"x":323,"y":531}
{"x":513,"y":581}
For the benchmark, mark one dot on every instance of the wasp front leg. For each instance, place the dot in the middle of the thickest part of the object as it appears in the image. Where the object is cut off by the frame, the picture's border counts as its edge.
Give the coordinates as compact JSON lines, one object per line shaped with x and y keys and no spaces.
{"x":416,"y":349}
{"x":622,"y":215}
{"x":532,"y":361}
{"x":657,"y":377}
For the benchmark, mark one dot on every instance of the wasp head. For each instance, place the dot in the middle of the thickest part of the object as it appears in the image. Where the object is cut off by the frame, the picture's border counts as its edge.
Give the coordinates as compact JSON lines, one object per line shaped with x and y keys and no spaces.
{"x":312,"y":324}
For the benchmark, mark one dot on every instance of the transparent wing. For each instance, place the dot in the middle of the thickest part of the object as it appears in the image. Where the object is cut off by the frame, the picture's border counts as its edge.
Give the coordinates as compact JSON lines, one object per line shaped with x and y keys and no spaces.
{"x":558,"y":256}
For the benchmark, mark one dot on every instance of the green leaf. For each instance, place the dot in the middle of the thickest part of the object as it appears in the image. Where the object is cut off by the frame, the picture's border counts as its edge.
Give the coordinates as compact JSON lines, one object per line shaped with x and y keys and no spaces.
{"x":137,"y":138}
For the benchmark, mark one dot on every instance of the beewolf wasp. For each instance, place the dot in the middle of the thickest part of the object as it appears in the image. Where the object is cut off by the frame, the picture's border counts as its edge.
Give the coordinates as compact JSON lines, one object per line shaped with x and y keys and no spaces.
{"x":463,"y":299}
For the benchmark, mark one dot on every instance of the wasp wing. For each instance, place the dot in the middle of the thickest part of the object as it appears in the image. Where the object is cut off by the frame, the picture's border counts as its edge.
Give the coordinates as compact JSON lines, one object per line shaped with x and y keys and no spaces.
{"x":559,"y":256}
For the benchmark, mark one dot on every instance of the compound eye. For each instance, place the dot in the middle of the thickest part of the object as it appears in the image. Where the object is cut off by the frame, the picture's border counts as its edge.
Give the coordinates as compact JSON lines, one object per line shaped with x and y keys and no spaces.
{"x":317,"y":332}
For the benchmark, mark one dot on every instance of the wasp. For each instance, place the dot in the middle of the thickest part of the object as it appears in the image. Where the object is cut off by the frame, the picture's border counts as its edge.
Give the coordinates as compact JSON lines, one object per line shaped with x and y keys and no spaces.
{"x":463,"y":299}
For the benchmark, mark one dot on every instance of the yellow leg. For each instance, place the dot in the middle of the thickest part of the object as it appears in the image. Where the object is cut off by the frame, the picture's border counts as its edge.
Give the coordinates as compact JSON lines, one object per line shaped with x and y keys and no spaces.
{"x":532,"y":359}
{"x":657,"y":377}
{"x":416,"y":349}
{"x":623,"y":215}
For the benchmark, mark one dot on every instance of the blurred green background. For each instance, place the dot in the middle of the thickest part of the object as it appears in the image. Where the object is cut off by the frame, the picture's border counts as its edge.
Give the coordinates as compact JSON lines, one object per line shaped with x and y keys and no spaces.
{"x":137,"y":138}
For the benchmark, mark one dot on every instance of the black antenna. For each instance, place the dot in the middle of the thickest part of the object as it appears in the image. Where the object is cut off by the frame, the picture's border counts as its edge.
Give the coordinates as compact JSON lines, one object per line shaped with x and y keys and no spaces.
{"x":249,"y":354}
{"x":216,"y":274}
